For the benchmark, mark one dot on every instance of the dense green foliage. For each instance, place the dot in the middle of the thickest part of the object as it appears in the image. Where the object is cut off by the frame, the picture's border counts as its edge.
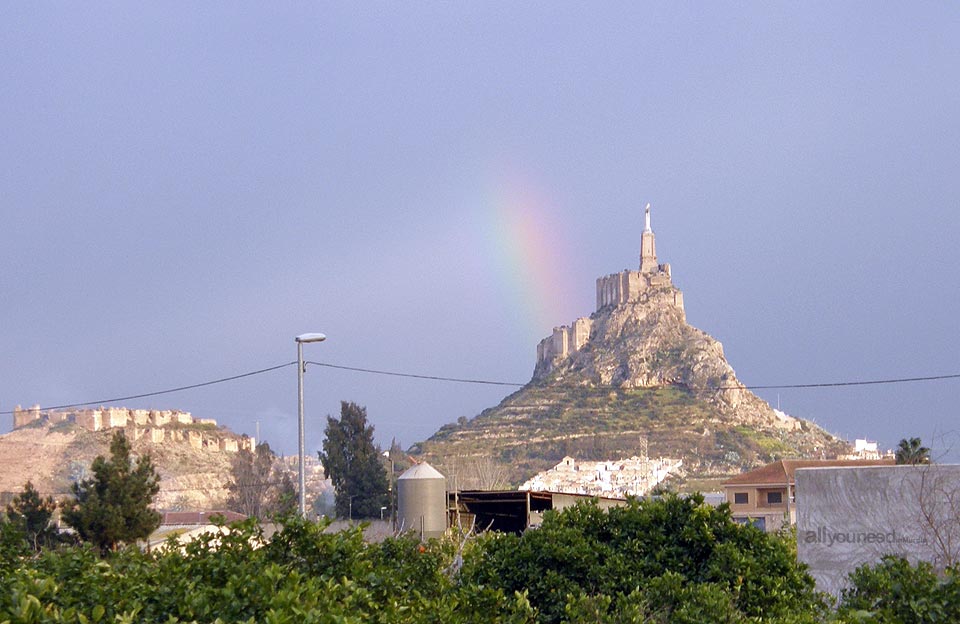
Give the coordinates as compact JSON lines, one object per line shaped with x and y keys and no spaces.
{"x":352,"y":461}
{"x":676,"y":557}
{"x":895,"y":592}
{"x":29,"y":515}
{"x":302,"y":576}
{"x":114,"y":506}
{"x":912,"y":452}
{"x":670,"y":560}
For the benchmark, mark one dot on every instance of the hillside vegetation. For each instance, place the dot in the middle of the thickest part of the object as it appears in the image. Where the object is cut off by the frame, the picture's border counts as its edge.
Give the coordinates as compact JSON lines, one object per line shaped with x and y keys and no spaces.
{"x":535,"y":428}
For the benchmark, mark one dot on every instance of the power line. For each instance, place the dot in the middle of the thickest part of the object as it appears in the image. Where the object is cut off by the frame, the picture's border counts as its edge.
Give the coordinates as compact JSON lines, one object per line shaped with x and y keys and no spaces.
{"x":411,"y":375}
{"x":764,"y":387}
{"x":474,"y":381}
{"x":835,"y":384}
{"x":169,"y":391}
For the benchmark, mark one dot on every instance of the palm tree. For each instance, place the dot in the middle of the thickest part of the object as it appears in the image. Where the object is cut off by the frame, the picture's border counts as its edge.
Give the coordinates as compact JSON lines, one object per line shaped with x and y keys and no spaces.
{"x":912,"y":451}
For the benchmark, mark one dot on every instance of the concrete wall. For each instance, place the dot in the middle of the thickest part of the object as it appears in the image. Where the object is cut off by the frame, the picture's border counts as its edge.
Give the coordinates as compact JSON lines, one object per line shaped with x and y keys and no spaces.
{"x":847,"y":517}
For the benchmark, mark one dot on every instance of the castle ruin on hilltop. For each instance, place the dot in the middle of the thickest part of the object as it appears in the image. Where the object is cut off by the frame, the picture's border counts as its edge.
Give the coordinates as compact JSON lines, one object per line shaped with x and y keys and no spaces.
{"x":612,"y":290}
{"x":156,"y":426}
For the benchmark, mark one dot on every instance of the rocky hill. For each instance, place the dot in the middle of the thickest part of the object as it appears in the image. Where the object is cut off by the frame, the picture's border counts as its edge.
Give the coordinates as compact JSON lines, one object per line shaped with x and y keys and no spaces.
{"x":53,"y":455}
{"x":632,"y":378}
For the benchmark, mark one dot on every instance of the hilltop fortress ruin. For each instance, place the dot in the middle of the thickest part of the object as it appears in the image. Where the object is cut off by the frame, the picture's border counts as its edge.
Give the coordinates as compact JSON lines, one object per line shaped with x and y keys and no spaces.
{"x":612,"y":290}
{"x":156,"y":426}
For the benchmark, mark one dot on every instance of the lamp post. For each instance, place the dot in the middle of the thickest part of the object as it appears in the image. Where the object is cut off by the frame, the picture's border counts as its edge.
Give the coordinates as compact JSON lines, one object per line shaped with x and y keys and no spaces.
{"x":389,"y":485}
{"x":302,"y":338}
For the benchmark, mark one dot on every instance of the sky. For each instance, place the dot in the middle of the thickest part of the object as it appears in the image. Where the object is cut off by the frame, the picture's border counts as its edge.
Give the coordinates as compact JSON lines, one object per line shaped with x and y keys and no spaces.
{"x":185,"y":187}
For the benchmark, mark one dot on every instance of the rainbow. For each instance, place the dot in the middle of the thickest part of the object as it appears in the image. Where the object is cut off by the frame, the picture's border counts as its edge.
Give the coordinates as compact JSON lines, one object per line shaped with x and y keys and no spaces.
{"x":530,"y":253}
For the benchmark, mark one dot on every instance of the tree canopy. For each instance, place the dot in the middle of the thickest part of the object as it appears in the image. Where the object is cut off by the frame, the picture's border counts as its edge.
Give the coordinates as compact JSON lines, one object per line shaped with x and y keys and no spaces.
{"x":912,"y":451}
{"x":259,"y":487}
{"x":114,"y":506}
{"x":30,"y":514}
{"x":673,"y":556}
{"x":352,"y":461}
{"x":667,"y":561}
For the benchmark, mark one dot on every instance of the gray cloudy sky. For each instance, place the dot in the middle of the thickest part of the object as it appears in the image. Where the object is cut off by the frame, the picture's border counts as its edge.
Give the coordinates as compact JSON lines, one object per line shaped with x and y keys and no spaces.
{"x":186,"y":186}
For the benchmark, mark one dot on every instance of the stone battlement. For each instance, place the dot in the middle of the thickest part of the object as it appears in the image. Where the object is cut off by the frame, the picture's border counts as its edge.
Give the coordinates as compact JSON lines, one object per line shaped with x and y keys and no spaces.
{"x":153,"y":425}
{"x":564,"y":340}
{"x":627,"y":286}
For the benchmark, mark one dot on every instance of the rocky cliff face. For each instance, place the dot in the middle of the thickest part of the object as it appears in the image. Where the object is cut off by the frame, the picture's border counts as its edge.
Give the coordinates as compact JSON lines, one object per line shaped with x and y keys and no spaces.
{"x":648,"y":344}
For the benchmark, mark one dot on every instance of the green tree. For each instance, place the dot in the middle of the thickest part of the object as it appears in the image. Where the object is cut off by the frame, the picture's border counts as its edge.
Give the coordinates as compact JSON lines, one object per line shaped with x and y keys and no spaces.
{"x":260,"y":487}
{"x":352,"y":461}
{"x":912,"y":451}
{"x":31,"y":514}
{"x":896,"y":592}
{"x":679,"y":559}
{"x":114,"y":506}
{"x":282,"y":500}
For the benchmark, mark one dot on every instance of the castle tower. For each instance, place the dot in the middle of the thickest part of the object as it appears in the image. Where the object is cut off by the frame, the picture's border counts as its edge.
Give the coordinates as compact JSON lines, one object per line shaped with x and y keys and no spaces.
{"x":648,"y":249}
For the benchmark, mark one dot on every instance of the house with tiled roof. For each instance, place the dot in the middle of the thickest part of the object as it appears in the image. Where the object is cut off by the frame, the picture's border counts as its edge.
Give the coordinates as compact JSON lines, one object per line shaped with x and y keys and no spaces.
{"x":765,"y":497}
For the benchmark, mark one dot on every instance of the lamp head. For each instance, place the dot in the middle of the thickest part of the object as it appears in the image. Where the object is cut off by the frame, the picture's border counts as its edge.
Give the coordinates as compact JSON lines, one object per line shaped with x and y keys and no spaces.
{"x":311,"y":338}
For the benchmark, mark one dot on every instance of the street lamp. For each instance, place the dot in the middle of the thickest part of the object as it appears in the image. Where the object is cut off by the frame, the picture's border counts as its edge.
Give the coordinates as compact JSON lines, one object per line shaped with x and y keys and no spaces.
{"x":389,"y":485}
{"x":302,"y":338}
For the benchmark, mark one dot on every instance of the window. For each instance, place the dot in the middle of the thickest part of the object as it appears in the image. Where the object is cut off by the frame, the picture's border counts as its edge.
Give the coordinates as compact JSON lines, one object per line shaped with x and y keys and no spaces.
{"x":741,"y":498}
{"x":774,"y":498}
{"x":760,"y":523}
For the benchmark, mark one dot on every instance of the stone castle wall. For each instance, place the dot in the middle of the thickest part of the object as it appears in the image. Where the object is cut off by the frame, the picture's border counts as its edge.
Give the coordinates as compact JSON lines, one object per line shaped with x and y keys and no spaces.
{"x":565,"y":340}
{"x":626,"y":286}
{"x":612,"y":290}
{"x":151,"y":425}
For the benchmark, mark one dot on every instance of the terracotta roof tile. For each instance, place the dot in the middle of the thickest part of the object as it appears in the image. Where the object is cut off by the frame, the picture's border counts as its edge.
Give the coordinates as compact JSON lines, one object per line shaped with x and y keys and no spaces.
{"x":778,"y":472}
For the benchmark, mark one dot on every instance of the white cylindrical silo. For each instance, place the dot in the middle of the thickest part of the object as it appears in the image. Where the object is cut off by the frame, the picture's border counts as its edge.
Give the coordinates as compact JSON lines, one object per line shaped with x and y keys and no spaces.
{"x":422,"y":501}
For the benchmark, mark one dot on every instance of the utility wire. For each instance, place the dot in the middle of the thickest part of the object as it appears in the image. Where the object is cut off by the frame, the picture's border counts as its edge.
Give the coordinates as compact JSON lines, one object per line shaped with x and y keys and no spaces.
{"x":429,"y":377}
{"x":772,"y":387}
{"x":834,"y":384}
{"x":474,"y":381}
{"x":169,"y":391}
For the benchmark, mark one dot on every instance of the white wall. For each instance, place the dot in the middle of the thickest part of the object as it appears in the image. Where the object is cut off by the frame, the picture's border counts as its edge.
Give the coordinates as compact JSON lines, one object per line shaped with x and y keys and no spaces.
{"x":847,"y":517}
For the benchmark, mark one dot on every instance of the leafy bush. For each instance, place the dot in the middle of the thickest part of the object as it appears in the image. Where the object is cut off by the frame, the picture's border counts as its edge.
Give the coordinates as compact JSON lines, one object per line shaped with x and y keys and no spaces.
{"x":679,"y":557}
{"x":233,"y":575}
{"x":894,"y":591}
{"x":672,"y":560}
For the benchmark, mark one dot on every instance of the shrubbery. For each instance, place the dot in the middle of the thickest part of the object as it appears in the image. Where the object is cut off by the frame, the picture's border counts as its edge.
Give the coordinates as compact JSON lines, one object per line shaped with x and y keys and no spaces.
{"x":672,"y":560}
{"x":302,"y":576}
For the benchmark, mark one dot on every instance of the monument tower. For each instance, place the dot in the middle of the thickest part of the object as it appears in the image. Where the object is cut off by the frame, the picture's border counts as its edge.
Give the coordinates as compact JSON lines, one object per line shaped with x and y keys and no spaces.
{"x":648,"y":248}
